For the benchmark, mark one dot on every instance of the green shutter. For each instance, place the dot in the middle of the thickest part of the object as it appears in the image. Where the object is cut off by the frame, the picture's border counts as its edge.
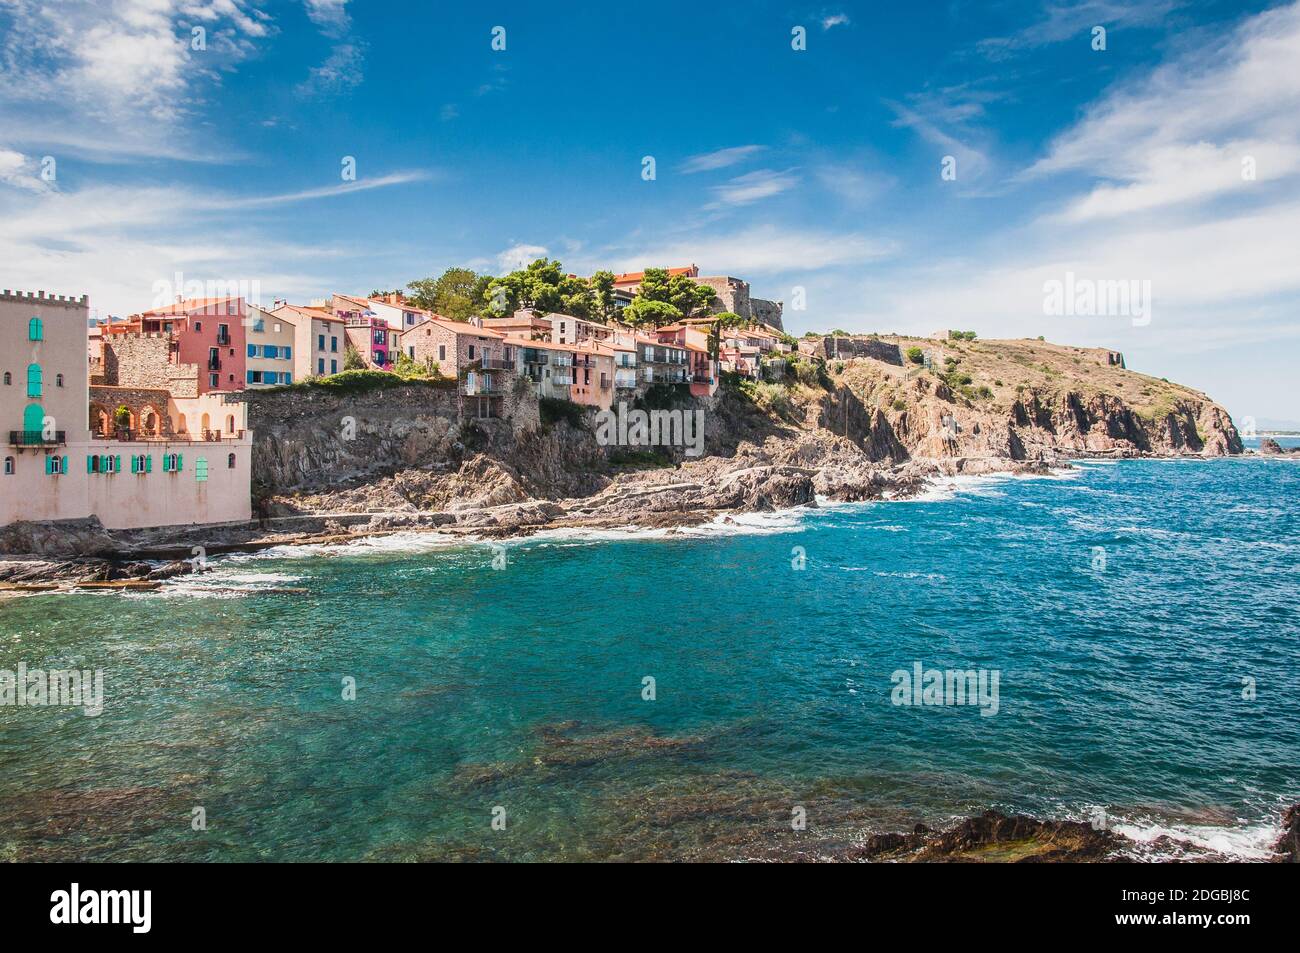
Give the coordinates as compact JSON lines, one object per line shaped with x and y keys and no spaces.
{"x":117,"y":464}
{"x":65,"y":464}
{"x":148,"y":464}
{"x":180,"y":462}
{"x":49,"y":465}
{"x":90,"y":464}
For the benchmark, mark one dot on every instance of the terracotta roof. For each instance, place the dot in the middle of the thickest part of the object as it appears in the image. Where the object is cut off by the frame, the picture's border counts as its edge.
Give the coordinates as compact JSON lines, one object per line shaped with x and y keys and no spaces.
{"x":193,"y":304}
{"x":318,"y":314}
{"x":540,"y":345}
{"x":460,"y":327}
{"x":631,"y":276}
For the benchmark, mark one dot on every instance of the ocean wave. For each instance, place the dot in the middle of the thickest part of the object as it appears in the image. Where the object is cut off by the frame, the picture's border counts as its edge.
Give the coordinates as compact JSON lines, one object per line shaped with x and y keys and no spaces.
{"x":1244,"y":842}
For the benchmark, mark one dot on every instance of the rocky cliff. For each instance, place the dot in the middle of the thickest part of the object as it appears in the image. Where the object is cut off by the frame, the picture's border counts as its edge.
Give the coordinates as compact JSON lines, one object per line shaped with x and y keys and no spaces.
{"x":830,"y":428}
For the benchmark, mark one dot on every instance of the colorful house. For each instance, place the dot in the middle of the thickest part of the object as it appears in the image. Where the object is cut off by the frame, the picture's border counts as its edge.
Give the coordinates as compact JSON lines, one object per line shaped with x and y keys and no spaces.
{"x":319,"y":339}
{"x":130,"y":476}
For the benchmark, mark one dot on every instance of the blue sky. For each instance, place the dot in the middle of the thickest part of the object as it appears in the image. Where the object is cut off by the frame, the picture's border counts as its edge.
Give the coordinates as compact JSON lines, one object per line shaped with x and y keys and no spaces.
{"x":814,"y":169}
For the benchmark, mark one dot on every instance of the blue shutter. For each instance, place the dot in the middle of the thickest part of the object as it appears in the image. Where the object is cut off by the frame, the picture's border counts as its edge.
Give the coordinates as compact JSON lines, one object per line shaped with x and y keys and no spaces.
{"x":288,"y":353}
{"x":252,"y":350}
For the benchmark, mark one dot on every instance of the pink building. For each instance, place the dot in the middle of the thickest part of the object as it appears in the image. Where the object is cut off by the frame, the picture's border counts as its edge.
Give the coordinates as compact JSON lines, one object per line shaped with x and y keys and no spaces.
{"x":148,"y":473}
{"x":207,"y":333}
{"x":701,"y":370}
{"x":367,"y":331}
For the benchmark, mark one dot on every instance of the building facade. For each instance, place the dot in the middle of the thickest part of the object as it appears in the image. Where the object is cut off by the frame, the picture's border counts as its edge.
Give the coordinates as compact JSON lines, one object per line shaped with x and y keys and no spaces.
{"x":270,"y":347}
{"x":319,"y":339}
{"x":55,"y":468}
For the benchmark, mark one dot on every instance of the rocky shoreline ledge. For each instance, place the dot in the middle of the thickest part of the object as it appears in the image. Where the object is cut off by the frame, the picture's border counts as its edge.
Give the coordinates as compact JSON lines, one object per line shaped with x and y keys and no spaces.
{"x":85,"y":556}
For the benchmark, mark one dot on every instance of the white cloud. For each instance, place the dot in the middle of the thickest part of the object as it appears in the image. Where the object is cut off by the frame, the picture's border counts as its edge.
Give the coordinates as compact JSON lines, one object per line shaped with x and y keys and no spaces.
{"x":342,"y":71}
{"x":115,"y":77}
{"x":834,"y":20}
{"x":1244,"y":87}
{"x":720,"y":159}
{"x":330,"y":16}
{"x":762,"y":250}
{"x":115,"y":241}
{"x":1065,"y":20}
{"x":754,"y":186}
{"x":21,"y":172}
{"x":520,"y":256}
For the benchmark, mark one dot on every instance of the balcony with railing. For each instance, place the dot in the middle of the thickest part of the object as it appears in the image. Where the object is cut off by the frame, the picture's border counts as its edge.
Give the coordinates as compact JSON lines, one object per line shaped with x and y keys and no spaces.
{"x":36,"y":438}
{"x":496,"y":364}
{"x":562,"y":360}
{"x":214,"y":363}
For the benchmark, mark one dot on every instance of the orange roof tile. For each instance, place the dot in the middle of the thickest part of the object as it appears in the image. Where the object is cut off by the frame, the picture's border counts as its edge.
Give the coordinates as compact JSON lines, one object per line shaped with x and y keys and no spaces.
{"x":631,"y":276}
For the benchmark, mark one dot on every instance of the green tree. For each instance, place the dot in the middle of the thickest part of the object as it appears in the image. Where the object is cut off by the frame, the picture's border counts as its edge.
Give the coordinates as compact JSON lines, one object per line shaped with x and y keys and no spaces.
{"x":915,"y":355}
{"x":352,"y":359}
{"x":682,"y":292}
{"x":643,"y":313}
{"x":542,"y":285}
{"x":455,"y":294}
{"x":602,"y":295}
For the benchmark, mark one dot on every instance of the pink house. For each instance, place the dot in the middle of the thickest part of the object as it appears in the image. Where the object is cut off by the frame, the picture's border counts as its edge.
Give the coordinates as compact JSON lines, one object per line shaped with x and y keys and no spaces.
{"x":367,"y":331}
{"x":207,"y":332}
{"x":701,"y":370}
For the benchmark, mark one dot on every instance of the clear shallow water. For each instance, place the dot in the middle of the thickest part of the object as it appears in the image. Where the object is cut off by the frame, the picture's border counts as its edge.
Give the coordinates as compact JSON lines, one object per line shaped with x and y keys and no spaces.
{"x":521,"y":688}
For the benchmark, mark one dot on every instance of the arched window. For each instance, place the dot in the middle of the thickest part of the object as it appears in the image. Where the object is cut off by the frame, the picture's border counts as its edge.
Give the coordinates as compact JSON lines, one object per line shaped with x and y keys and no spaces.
{"x":9,"y":465}
{"x":35,"y":330}
{"x":9,"y":379}
{"x":58,"y":380}
{"x":230,"y":462}
{"x":205,"y":423}
{"x":33,"y":380}
{"x":230,"y":423}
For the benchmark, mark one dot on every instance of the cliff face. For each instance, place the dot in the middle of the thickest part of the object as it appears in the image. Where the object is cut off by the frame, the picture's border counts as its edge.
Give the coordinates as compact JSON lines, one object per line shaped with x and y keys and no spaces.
{"x":410,"y":447}
{"x":1021,"y":400}
{"x":970,"y":407}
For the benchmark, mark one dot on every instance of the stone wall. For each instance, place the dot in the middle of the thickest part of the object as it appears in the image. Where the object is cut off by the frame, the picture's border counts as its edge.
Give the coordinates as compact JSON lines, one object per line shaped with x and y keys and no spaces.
{"x":145,"y":360}
{"x":767,"y":312}
{"x":140,"y":401}
{"x":844,"y":349}
{"x":312,"y":438}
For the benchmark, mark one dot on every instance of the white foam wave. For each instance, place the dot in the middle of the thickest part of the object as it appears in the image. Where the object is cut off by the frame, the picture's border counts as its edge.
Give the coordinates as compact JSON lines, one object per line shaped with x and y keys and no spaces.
{"x":1245,"y":841}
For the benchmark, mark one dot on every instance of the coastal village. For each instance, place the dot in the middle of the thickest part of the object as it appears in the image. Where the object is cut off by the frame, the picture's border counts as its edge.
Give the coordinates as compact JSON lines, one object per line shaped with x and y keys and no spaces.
{"x":135,"y":421}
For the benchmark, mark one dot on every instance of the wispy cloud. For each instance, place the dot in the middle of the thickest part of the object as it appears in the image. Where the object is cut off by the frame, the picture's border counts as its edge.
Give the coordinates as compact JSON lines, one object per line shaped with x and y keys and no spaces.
{"x":1187,"y":131}
{"x":117,"y":77}
{"x":21,"y":172}
{"x":720,"y":159}
{"x":343,"y":70}
{"x":834,"y":20}
{"x":763,"y":250}
{"x":330,"y":16}
{"x":754,"y":186}
{"x":1061,"y":21}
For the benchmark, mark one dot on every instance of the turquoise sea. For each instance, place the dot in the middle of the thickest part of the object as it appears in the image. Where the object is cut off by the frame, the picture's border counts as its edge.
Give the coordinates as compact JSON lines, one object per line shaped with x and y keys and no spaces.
{"x":517,"y":692}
